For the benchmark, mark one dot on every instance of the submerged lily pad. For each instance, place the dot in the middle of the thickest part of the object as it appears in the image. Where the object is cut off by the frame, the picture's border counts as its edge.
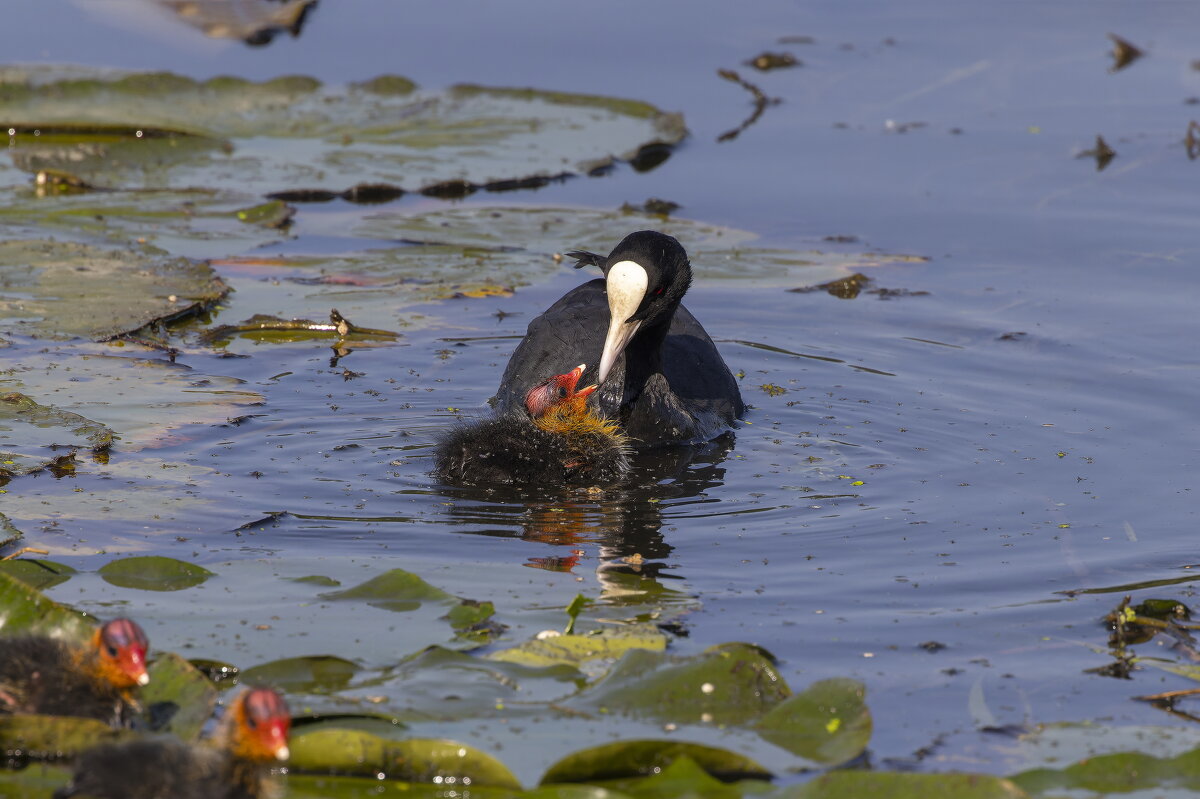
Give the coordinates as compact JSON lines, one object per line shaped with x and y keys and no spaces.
{"x":725,"y":684}
{"x":847,"y":784}
{"x":114,"y":129}
{"x":396,"y":589}
{"x":828,"y":722}
{"x":645,"y":757}
{"x":153,"y":573}
{"x":59,"y":289}
{"x":31,"y":435}
{"x":343,"y":751}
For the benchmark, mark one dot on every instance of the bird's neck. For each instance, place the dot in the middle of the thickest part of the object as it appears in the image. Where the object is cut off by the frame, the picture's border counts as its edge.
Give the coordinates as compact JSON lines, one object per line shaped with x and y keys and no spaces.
{"x":643,"y":359}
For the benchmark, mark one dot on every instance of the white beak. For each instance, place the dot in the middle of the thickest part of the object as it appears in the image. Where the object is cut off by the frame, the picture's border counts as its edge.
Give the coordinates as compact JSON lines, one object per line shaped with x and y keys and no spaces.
{"x":626,"y":285}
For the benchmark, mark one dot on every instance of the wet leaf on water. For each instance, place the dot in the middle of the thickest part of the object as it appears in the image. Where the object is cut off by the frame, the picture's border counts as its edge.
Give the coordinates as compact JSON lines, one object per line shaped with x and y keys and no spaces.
{"x":317,"y":579}
{"x":828,"y":723}
{"x":1123,"y":53}
{"x":354,"y":752}
{"x":645,"y":757}
{"x":396,"y":590}
{"x":25,"y":610}
{"x":31,"y":434}
{"x":53,"y":737}
{"x":313,"y":674}
{"x":576,"y":650}
{"x":895,"y":785}
{"x":569,"y":791}
{"x":92,"y":292}
{"x":183,"y":689}
{"x":726,"y":684}
{"x":273,"y":214}
{"x":159,"y":129}
{"x":9,"y":532}
{"x":39,"y":574}
{"x":153,"y":573}
{"x":253,"y":21}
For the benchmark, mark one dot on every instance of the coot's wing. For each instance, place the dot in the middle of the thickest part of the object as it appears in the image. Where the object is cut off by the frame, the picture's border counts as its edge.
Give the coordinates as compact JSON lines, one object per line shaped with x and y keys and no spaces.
{"x":569,"y":333}
{"x":695,"y":369}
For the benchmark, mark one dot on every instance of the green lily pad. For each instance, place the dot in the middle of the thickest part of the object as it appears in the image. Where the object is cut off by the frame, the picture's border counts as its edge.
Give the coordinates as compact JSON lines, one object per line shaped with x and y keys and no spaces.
{"x":315,"y":674}
{"x":153,"y":573}
{"x":576,"y":650}
{"x":340,"y":751}
{"x":34,"y":780}
{"x":684,"y":777}
{"x":39,"y":574}
{"x":55,"y":737}
{"x":568,"y":791}
{"x":156,"y":129}
{"x":828,"y":722}
{"x":725,"y":684}
{"x":9,"y":532}
{"x":175,"y":681}
{"x":24,"y":609}
{"x":396,"y":590}
{"x":645,"y":757}
{"x":848,"y":784}
{"x":69,"y":290}
{"x":317,"y":579}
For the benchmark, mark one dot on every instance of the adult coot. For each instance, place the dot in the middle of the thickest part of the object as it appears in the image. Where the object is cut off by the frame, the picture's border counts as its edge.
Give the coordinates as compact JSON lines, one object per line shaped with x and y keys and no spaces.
{"x":96,"y":679}
{"x":554,"y":438}
{"x":235,"y":764}
{"x":660,"y":375}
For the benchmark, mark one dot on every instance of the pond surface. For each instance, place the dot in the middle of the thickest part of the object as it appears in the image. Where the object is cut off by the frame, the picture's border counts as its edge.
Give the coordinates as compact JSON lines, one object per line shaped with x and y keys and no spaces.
{"x":946,"y":462}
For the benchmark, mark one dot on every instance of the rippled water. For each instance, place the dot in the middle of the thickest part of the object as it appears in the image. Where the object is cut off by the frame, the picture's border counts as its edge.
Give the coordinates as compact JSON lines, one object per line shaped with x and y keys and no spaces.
{"x":940,"y":467}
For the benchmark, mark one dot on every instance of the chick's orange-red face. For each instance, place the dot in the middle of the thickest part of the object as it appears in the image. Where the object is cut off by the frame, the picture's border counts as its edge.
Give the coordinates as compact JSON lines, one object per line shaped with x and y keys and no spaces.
{"x":556,"y":390}
{"x":265,"y":722}
{"x":123,"y":645}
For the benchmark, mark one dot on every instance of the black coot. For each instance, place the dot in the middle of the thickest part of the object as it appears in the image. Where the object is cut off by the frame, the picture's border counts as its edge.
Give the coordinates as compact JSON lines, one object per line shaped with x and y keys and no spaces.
{"x":660,"y":374}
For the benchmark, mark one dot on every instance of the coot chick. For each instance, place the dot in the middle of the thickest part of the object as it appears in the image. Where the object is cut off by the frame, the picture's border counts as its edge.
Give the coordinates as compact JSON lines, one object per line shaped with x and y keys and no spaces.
{"x":235,"y":764}
{"x":660,"y":374}
{"x":96,"y":679}
{"x":555,"y":438}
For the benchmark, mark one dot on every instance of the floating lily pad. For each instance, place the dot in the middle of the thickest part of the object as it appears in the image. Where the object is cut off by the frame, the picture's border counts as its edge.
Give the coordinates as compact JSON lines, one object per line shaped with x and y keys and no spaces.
{"x":311,"y":786}
{"x":153,"y":573}
{"x":114,"y":129}
{"x":187,"y":696}
{"x":54,"y":737}
{"x":577,"y":650}
{"x":60,"y":289}
{"x":340,"y":751}
{"x":725,"y":684}
{"x":24,"y":609}
{"x":9,"y":532}
{"x":853,"y":784}
{"x":645,"y":757}
{"x":396,"y":590}
{"x":684,"y":777}
{"x":315,"y":674}
{"x":39,"y":574}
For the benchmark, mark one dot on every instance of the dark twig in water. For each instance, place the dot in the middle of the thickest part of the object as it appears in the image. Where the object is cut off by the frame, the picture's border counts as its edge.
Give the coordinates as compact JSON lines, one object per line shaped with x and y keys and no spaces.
{"x":761,"y":101}
{"x":1123,"y":53}
{"x":1192,"y":140}
{"x":1101,"y":152}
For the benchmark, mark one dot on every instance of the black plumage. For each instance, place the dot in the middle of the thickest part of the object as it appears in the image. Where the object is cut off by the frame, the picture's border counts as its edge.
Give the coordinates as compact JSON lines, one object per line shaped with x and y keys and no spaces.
{"x":667,"y":383}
